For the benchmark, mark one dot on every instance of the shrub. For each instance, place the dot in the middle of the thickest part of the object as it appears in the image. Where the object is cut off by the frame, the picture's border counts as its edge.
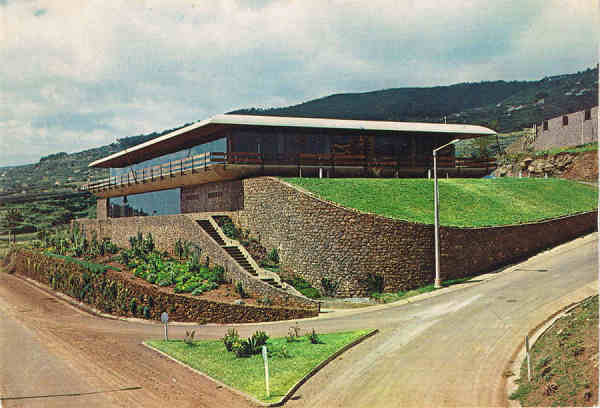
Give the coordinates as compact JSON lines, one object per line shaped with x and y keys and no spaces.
{"x":178,"y":249}
{"x":242,"y":348}
{"x":133,"y":306}
{"x":189,"y":337}
{"x":293,"y":333}
{"x":146,"y":312}
{"x":329,"y":287}
{"x":313,"y":337}
{"x":375,"y":283}
{"x":230,"y":338}
{"x":219,"y":274}
{"x":239,"y":288}
{"x":259,"y":339}
{"x":273,"y":256}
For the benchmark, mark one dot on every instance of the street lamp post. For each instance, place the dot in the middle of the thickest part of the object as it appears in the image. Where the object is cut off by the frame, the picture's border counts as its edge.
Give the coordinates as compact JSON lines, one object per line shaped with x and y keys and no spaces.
{"x":436,"y":201}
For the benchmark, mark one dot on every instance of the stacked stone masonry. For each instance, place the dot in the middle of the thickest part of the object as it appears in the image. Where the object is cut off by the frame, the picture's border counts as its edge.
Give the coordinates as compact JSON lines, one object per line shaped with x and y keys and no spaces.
{"x":167,"y":229}
{"x":318,"y":239}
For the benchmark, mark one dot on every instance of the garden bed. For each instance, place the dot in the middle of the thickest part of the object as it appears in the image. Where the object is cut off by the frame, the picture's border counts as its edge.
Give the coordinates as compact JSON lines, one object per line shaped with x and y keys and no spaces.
{"x":289,"y":361}
{"x":121,"y":294}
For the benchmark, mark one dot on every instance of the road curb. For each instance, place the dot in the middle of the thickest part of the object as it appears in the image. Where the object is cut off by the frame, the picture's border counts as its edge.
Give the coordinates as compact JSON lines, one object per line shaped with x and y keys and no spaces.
{"x":291,"y":391}
{"x":518,"y":356}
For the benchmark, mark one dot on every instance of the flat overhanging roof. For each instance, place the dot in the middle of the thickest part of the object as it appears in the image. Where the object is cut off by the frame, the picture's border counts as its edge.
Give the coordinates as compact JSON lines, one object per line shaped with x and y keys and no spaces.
{"x":211,"y":129}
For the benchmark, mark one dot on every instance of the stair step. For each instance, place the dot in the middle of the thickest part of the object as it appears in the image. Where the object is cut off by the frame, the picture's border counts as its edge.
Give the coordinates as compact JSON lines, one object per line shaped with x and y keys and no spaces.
{"x":210,"y":230}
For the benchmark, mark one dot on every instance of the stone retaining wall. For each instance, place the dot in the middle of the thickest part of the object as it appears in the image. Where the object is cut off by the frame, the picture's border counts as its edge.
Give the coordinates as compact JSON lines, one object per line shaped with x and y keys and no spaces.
{"x":317,"y":239}
{"x":167,"y":229}
{"x":110,"y":293}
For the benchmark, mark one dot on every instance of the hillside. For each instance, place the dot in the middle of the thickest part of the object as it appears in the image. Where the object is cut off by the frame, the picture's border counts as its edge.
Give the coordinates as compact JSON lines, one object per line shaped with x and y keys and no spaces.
{"x":514,"y":105}
{"x":463,"y":202}
{"x":504,"y":106}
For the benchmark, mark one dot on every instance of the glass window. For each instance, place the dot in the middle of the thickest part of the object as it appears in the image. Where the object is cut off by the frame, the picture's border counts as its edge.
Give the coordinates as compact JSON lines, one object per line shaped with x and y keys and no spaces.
{"x":163,"y":202}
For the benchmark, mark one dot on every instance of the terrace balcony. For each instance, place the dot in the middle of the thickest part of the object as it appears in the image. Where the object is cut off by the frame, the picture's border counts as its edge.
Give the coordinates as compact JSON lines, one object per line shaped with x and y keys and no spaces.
{"x":219,"y":166}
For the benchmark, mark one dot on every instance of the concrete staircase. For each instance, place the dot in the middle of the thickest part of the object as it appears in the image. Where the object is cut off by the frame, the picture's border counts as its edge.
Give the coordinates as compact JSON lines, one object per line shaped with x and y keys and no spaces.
{"x":240,"y":255}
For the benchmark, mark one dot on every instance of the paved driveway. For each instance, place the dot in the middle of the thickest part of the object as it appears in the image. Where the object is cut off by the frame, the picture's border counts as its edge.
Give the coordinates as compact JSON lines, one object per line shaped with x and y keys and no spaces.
{"x":444,"y":350}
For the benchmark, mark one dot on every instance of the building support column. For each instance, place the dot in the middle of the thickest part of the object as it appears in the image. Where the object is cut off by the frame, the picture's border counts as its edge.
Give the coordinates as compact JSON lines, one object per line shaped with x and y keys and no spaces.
{"x":102,"y":208}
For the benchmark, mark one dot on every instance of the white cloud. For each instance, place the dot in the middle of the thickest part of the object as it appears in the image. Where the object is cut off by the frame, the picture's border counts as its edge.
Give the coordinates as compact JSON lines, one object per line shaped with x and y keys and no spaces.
{"x":80,"y":74}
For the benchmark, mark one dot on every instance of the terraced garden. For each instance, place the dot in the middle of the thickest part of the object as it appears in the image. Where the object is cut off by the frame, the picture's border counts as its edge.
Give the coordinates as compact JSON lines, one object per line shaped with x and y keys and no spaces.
{"x":463,"y":202}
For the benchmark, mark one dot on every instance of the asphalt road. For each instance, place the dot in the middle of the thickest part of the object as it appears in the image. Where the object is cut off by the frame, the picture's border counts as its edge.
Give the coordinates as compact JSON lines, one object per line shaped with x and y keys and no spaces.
{"x":445,"y":349}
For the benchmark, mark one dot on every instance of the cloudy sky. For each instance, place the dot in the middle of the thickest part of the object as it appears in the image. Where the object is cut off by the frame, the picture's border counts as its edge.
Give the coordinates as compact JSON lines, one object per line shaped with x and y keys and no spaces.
{"x":80,"y":74}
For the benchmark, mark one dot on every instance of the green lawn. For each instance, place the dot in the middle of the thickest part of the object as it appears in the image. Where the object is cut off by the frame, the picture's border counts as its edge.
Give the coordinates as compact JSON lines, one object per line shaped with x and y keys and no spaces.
{"x":463,"y":202}
{"x":248,"y":374}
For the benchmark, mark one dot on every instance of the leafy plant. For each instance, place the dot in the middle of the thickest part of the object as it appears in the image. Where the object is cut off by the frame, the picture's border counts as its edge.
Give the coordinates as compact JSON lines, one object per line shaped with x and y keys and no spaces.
{"x":230,"y":338}
{"x":329,"y":286}
{"x":313,"y":337}
{"x":293,"y":333}
{"x":189,"y":337}
{"x":375,"y":283}
{"x":273,"y":256}
{"x":239,"y":288}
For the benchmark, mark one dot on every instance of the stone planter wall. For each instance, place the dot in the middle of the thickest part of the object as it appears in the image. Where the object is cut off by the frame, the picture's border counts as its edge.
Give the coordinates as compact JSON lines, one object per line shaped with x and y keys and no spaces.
{"x":110,"y":293}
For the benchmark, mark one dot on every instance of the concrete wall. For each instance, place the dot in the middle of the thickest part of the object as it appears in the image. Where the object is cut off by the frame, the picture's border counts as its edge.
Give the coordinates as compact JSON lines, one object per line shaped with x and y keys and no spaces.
{"x":212,"y":197}
{"x":559,"y":135}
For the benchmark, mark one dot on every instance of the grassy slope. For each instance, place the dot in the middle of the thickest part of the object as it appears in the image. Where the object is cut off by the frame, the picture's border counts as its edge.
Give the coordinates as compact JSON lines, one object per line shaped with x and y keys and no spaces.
{"x":247,"y":374}
{"x":564,"y":358}
{"x":463,"y":202}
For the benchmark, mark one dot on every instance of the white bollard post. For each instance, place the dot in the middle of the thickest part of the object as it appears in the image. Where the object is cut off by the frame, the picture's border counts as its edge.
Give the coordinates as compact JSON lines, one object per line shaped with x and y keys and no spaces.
{"x":164,"y":317}
{"x":266,"y":360}
{"x":528,"y":358}
{"x":320,"y":172}
{"x":429,"y":174}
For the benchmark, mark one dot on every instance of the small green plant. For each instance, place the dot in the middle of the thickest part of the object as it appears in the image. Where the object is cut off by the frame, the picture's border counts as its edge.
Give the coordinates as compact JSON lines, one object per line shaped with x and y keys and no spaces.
{"x":313,"y":337}
{"x":273,"y":256}
{"x":178,"y":249}
{"x":329,"y":287}
{"x":146,"y":312}
{"x":260,"y":338}
{"x":189,"y":337}
{"x":375,"y":283}
{"x":265,"y":300}
{"x":230,"y":339}
{"x":293,"y":333}
{"x":133,"y":306}
{"x":239,"y":288}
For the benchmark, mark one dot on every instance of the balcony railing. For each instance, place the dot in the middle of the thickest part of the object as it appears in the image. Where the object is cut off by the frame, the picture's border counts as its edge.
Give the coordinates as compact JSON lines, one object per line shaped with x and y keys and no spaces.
{"x":202,"y":162}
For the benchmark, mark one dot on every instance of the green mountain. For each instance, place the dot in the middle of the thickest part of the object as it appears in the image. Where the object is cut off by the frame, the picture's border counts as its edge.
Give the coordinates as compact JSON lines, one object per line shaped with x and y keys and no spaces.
{"x":506,"y":106}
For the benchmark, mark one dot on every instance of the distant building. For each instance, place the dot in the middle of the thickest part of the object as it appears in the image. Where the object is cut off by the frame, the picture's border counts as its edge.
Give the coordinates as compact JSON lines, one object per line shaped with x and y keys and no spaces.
{"x":571,"y":129}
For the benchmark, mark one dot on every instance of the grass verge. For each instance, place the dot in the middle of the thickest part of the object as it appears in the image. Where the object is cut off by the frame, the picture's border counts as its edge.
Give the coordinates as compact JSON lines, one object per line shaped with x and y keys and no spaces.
{"x":247,"y":374}
{"x":463,"y":202}
{"x":400,"y":295}
{"x":564,"y":362}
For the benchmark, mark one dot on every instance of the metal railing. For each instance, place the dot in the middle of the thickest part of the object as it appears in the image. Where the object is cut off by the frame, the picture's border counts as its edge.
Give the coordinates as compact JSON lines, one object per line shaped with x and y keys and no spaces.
{"x":202,"y":162}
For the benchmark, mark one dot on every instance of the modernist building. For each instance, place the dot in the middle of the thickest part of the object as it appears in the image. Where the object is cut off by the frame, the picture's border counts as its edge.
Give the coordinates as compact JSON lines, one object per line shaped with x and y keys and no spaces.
{"x":571,"y":129}
{"x":159,"y":177}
